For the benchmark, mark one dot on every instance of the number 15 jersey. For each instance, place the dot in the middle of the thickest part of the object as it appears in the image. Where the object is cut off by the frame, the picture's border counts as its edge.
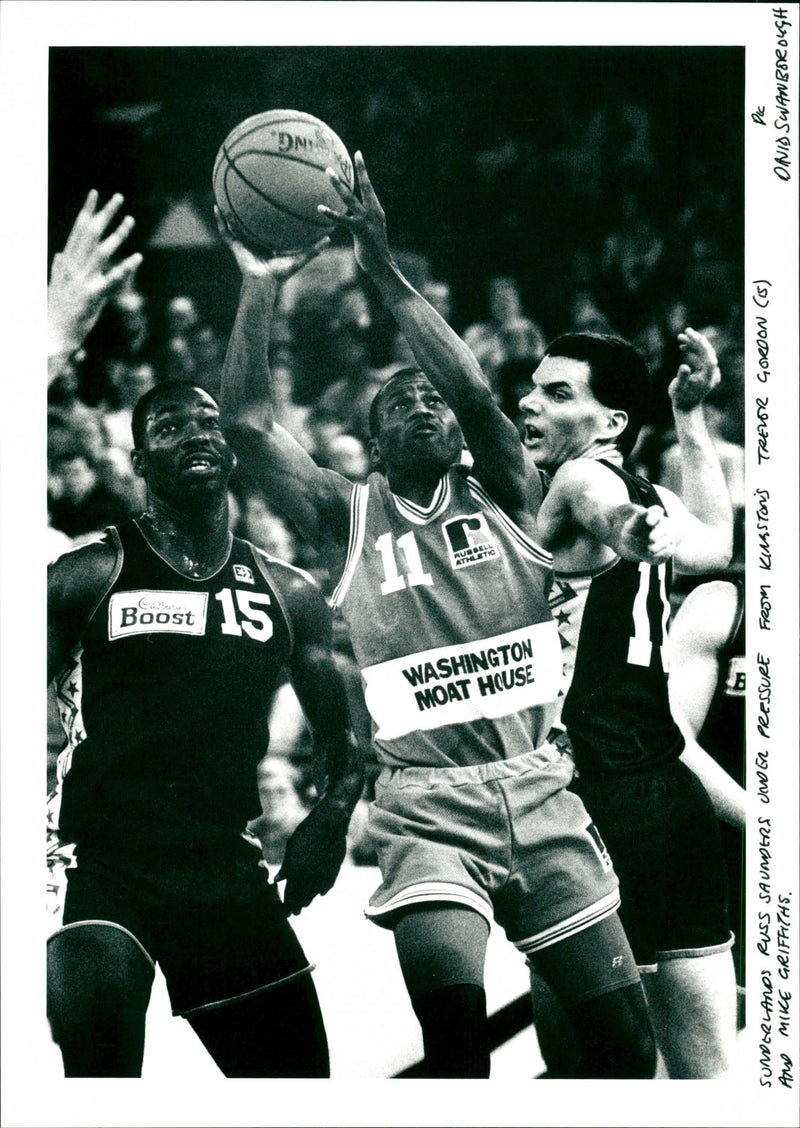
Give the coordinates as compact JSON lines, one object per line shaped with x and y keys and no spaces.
{"x":165,"y":705}
{"x":448,"y":616}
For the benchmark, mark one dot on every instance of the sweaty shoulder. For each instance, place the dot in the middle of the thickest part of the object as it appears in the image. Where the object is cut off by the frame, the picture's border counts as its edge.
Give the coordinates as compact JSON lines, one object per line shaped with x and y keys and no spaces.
{"x":580,"y":474}
{"x":297,"y":588}
{"x":83,"y":575}
{"x":76,"y":584}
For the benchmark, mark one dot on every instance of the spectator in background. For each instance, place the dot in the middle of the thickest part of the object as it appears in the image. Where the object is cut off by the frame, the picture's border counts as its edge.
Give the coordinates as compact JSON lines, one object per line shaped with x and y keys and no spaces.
{"x":632,"y":253}
{"x":522,"y":339}
{"x":345,"y":454}
{"x":79,"y":502}
{"x":484,"y":341}
{"x":265,"y":528}
{"x":439,"y":294}
{"x":207,"y":351}
{"x":127,"y":383}
{"x":346,"y":400}
{"x":585,"y":315}
{"x":129,"y":310}
{"x":181,"y":316}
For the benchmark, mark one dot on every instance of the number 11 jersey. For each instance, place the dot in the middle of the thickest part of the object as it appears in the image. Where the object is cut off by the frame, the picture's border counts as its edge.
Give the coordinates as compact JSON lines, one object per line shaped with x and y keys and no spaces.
{"x":614,"y":625}
{"x":448,"y":616}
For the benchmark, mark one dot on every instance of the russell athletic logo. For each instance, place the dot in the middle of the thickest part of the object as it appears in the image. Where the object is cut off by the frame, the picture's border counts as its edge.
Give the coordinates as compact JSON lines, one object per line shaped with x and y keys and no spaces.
{"x":469,"y":540}
{"x":151,"y":612}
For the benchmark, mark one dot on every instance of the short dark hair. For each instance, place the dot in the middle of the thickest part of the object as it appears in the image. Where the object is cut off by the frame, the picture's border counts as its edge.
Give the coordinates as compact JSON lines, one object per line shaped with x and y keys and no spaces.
{"x":397,"y":377}
{"x":618,"y":377}
{"x":145,"y":402}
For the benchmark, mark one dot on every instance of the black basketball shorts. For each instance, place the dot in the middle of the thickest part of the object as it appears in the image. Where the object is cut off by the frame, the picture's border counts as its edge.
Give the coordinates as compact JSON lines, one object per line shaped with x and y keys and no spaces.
{"x":217,"y":938}
{"x":664,"y":839}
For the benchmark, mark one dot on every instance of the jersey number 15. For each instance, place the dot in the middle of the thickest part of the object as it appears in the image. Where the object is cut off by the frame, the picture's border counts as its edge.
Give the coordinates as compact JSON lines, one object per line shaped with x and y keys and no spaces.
{"x":251,"y":619}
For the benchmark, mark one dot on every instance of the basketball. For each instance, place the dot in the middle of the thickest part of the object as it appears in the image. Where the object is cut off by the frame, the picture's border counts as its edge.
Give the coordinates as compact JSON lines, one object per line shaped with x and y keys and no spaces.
{"x":269,"y":176}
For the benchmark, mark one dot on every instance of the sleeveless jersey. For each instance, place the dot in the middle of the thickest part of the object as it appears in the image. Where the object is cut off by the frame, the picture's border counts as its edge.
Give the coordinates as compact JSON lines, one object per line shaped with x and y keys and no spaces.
{"x":166,"y":701}
{"x":448,"y":617}
{"x":722,"y":734}
{"x":613,"y":625}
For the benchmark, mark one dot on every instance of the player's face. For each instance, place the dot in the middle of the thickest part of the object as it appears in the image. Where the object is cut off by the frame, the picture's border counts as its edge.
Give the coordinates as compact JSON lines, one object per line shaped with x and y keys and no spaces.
{"x":417,"y":428}
{"x":184,"y":450}
{"x":561,"y":416}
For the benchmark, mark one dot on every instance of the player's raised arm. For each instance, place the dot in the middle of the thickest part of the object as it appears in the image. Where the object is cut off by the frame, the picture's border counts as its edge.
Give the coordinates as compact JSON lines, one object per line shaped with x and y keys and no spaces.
{"x":316,"y":849}
{"x":84,"y":276}
{"x":705,"y":533}
{"x":448,"y":363}
{"x":314,"y":500}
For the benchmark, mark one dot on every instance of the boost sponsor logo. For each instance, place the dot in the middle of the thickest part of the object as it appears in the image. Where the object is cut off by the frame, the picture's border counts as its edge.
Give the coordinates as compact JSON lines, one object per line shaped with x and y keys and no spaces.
{"x":150,"y":612}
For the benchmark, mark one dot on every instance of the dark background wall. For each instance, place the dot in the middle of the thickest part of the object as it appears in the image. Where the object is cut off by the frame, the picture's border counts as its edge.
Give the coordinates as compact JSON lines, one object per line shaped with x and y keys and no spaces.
{"x":488,"y":160}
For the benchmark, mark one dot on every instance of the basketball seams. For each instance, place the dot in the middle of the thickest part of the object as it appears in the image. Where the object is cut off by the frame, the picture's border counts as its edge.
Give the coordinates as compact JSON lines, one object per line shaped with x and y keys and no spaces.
{"x":311,"y":220}
{"x":274,"y":205}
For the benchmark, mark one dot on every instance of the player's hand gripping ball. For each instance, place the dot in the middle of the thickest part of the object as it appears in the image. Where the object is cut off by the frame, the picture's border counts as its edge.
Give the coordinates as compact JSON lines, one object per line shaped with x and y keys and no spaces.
{"x":269,"y":177}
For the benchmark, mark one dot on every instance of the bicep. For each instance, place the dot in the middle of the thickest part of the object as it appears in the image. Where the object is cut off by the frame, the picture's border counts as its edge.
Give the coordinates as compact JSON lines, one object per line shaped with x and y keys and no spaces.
{"x":698,"y":632}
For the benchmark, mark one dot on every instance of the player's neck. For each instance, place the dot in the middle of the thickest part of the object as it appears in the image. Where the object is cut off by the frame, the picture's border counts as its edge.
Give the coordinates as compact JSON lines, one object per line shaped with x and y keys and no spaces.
{"x":195,"y":543}
{"x":417,"y":486}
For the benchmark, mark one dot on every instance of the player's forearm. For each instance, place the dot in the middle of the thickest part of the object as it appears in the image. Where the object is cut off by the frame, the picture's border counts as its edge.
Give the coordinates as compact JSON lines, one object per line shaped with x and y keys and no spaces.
{"x":340,"y":760}
{"x":246,"y":392}
{"x":724,"y":792}
{"x":441,"y":354}
{"x":704,"y":491}
{"x":607,"y":523}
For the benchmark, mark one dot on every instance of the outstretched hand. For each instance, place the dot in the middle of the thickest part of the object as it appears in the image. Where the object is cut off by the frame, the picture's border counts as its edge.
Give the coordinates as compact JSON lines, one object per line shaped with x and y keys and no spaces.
{"x":277,"y":267}
{"x":313,"y":858}
{"x":364,"y":218}
{"x":83,"y":276}
{"x":646,"y":534}
{"x":698,"y":373}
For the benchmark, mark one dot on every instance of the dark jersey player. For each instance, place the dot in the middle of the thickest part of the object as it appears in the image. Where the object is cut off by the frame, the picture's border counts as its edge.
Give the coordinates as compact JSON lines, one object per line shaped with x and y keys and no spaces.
{"x":582,"y":416}
{"x":167,"y":637}
{"x":443,"y":589}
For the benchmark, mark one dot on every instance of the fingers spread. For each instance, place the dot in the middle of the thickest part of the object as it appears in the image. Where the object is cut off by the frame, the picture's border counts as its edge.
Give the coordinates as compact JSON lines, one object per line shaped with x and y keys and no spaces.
{"x":117,"y":238}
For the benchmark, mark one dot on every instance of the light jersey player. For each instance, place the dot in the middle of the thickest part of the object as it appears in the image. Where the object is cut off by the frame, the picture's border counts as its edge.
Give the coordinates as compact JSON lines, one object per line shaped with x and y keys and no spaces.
{"x":444,"y":591}
{"x":614,"y":539}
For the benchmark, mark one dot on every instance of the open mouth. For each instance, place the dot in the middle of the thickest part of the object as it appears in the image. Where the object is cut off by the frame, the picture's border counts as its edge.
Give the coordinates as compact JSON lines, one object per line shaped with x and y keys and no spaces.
{"x":201,"y":462}
{"x":532,"y":434}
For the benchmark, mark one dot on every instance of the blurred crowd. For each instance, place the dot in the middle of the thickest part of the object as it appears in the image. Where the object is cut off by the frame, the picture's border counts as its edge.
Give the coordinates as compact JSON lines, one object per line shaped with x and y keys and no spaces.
{"x":613,"y":261}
